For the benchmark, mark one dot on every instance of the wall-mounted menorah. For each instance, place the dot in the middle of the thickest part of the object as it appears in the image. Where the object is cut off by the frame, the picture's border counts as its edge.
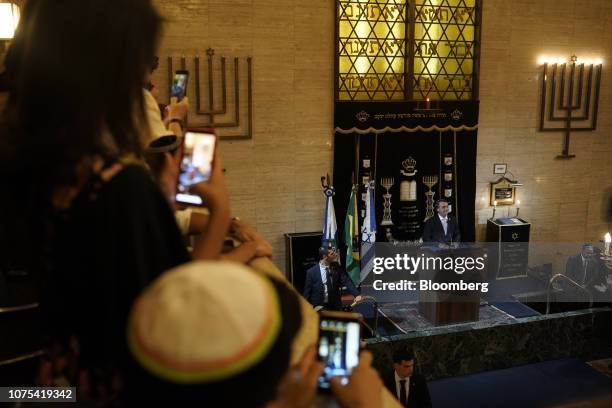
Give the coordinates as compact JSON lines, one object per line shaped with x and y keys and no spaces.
{"x":212,"y":110}
{"x":569,"y":99}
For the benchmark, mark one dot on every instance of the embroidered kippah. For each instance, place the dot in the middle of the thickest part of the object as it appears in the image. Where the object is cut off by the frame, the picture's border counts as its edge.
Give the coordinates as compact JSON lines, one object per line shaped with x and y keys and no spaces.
{"x":204,"y":321}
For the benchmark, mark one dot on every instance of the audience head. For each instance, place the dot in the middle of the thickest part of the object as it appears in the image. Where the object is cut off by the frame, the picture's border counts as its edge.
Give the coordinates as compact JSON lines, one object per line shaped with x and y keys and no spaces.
{"x":588,"y":250}
{"x":155,"y":152}
{"x":442,"y":207}
{"x":328,"y":254}
{"x":214,"y":332}
{"x":403,"y":362}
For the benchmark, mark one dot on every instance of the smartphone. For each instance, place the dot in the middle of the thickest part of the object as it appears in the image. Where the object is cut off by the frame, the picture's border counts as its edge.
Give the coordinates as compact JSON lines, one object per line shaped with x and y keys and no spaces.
{"x":339,"y":334}
{"x":196,"y":164}
{"x":179,"y":85}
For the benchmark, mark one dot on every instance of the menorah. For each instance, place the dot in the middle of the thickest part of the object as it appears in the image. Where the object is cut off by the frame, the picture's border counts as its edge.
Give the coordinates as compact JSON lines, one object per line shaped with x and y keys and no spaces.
{"x":387,"y":183}
{"x":212,"y":111}
{"x":430,"y":182}
{"x":581,"y":97}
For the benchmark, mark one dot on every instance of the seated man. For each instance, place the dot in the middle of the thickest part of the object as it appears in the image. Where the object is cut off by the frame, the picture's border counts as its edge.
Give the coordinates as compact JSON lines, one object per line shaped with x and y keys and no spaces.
{"x":441,"y":228}
{"x":587,"y":271}
{"x":325,"y":280}
{"x":409,"y":388}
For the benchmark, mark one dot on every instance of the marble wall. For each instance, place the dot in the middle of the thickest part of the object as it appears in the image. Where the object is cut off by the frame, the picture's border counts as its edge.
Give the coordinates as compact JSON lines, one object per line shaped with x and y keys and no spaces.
{"x":274,"y":178}
{"x":471,"y":348}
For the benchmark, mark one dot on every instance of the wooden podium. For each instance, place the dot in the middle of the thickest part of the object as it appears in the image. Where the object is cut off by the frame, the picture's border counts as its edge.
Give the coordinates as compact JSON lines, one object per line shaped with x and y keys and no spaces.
{"x":446,"y":307}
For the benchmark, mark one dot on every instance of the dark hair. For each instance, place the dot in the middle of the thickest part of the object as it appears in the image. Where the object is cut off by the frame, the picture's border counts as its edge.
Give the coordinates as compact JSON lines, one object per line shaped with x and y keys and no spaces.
{"x":322,"y":252}
{"x":404,"y":354}
{"x":76,"y":72}
{"x":155,"y":152}
{"x":441,"y":200}
{"x":252,"y":388}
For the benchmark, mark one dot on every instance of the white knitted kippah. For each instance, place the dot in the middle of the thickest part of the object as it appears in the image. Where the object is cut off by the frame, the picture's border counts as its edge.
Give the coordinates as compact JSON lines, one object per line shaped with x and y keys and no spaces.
{"x":204,"y":321}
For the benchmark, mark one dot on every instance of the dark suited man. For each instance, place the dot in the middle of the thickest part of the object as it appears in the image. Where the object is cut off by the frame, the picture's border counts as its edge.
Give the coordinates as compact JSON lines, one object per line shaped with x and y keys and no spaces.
{"x":409,"y":388}
{"x":441,"y":228}
{"x":586,"y":270}
{"x":325,"y":280}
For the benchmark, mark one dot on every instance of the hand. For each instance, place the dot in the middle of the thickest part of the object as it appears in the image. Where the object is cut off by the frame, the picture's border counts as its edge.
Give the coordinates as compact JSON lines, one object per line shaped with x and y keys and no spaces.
{"x":600,"y":288}
{"x":244,"y":232}
{"x":178,"y":110}
{"x":299,"y":386}
{"x":357,"y":299}
{"x":213,"y":191}
{"x":364,"y":387}
{"x":263,"y":249}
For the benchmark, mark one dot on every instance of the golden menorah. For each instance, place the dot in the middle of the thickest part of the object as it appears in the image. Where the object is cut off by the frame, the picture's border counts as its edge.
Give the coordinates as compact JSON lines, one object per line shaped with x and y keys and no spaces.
{"x":430,"y":182}
{"x":387,"y":183}
{"x":212,"y":111}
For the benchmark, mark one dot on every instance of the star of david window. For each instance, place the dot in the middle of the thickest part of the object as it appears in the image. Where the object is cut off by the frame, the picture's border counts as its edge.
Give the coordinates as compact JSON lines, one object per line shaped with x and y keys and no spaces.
{"x":398,"y":50}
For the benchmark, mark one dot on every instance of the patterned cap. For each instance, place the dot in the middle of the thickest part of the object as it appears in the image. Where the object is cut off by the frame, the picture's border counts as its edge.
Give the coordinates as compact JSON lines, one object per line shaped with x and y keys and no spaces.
{"x":204,"y":321}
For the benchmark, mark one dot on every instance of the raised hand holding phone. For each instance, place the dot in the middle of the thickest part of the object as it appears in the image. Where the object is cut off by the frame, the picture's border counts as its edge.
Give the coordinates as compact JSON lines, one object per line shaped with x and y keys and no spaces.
{"x":363,"y":388}
{"x":197,"y":165}
{"x":214,"y":195}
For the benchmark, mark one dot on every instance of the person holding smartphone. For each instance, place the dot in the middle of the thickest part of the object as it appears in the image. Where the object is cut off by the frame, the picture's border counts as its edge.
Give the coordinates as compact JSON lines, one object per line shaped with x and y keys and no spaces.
{"x":169,"y":120}
{"x":81,"y":212}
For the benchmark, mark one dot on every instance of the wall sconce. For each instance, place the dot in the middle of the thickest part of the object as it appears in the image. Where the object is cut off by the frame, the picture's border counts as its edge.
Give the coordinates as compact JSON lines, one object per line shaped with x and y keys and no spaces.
{"x":9,"y":18}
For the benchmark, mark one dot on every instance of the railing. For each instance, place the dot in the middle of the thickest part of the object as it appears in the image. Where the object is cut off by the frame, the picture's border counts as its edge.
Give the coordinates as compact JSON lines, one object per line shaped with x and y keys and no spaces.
{"x":557,"y":277}
{"x":375,"y":303}
{"x":26,"y":356}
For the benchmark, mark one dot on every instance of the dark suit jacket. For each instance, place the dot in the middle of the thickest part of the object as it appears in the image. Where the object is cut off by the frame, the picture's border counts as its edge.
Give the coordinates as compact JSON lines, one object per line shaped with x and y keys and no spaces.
{"x":434,"y":232}
{"x":418,"y":393}
{"x":314,"y":292}
{"x":574,"y":269}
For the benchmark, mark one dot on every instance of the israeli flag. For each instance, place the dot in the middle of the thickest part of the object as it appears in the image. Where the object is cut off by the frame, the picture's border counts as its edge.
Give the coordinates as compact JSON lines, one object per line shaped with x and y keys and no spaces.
{"x":368,"y":234}
{"x":368,"y":230}
{"x":329,"y":217}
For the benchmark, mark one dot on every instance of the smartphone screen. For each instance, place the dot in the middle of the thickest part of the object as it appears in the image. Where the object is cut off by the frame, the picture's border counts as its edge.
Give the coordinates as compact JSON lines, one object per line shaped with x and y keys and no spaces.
{"x":179,"y":85}
{"x":338,"y":348}
{"x":196,"y":164}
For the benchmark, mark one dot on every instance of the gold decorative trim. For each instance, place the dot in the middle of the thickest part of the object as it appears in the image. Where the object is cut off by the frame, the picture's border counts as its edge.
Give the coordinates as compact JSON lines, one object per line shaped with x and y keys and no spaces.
{"x":388,"y":129}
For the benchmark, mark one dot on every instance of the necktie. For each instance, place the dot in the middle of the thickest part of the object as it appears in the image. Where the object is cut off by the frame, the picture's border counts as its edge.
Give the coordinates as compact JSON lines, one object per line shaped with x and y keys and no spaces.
{"x":402,"y":397}
{"x":586,"y":264}
{"x":445,"y":225}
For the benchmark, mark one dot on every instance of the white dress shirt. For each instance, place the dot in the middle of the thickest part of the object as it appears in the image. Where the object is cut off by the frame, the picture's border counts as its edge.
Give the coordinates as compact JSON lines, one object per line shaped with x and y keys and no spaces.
{"x":324,"y":270}
{"x":444,"y":222}
{"x":398,"y":386}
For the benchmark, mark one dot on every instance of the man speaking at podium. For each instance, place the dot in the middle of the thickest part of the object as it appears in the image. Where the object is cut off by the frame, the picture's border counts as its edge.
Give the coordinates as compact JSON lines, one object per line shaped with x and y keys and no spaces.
{"x":441,"y":228}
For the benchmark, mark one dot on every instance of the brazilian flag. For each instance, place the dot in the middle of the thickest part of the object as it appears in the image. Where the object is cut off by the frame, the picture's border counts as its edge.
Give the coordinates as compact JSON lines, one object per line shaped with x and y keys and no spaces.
{"x":351,"y":238}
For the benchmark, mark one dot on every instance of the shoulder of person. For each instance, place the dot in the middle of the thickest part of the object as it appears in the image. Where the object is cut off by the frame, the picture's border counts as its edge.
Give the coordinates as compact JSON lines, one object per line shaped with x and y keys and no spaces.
{"x":417,"y":379}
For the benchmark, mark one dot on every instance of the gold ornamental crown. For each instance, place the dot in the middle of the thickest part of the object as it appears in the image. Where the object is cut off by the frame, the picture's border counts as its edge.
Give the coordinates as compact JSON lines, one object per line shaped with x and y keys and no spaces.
{"x":409,"y":165}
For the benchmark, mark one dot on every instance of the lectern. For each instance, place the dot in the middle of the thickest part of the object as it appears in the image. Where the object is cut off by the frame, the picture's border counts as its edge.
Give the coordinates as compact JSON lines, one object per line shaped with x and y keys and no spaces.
{"x":451,"y":306}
